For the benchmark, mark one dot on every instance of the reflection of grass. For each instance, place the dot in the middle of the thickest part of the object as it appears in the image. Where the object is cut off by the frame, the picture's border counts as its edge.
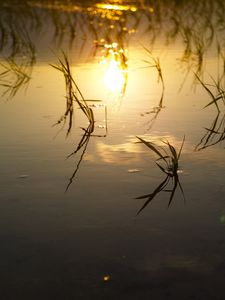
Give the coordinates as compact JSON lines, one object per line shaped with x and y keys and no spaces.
{"x":14,"y":76}
{"x":170,"y":157}
{"x":197,"y":25}
{"x":73,"y":94}
{"x":218,"y":95}
{"x":214,"y":134}
{"x":154,"y":62}
{"x":17,"y":67}
{"x":168,"y":163}
{"x":81,"y":145}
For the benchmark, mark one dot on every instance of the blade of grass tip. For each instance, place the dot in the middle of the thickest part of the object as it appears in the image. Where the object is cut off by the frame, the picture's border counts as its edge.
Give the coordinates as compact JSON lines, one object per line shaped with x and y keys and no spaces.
{"x":217,"y":84}
{"x":181,"y":147}
{"x":151,"y":196}
{"x":4,"y":73}
{"x":182,"y":191}
{"x":93,"y":100}
{"x":5,"y":85}
{"x":204,"y":85}
{"x":162,"y":169}
{"x":78,"y":165}
{"x":174,"y":189}
{"x":212,"y":130}
{"x":150,"y":146}
{"x":166,"y":160}
{"x":172,"y":150}
{"x":68,"y":68}
{"x":148,"y":62}
{"x":91,"y":115}
{"x":61,"y":63}
{"x":146,"y":49}
{"x":209,"y":92}
{"x":214,"y":101}
{"x":65,"y":63}
{"x":56,"y":67}
{"x":65,"y":59}
{"x":79,"y":91}
{"x":82,"y":108}
{"x":167,"y":156}
{"x":80,"y":145}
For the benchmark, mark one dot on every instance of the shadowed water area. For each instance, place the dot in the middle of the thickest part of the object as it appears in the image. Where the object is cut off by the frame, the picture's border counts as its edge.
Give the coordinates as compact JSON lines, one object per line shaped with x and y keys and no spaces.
{"x":112,"y":164}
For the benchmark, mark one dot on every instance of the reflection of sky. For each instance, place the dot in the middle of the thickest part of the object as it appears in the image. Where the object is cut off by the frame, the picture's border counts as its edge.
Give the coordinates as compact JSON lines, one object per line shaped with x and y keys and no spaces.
{"x":119,"y":154}
{"x":132,"y":151}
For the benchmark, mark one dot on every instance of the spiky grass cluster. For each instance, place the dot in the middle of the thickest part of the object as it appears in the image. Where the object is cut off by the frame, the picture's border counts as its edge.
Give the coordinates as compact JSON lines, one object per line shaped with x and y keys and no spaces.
{"x":73,"y":94}
{"x":154,"y":62}
{"x":215,"y":91}
{"x":168,"y":155}
{"x":168,"y":163}
{"x":14,"y":75}
{"x":215,"y":133}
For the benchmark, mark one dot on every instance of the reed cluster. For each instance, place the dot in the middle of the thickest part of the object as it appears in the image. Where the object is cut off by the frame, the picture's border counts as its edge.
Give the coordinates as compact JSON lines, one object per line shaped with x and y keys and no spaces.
{"x":73,"y":94}
{"x":168,"y":163}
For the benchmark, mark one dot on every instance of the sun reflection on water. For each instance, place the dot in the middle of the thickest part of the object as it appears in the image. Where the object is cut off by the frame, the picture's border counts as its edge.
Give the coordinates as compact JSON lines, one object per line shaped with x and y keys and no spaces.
{"x":115,"y":77}
{"x":116,"y":7}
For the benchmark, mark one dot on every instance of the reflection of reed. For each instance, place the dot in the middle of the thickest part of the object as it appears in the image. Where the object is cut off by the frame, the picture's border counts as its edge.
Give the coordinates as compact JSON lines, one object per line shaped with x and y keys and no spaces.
{"x":81,"y":145}
{"x":215,"y":90}
{"x":155,"y":63}
{"x":73,"y":94}
{"x":17,"y":66}
{"x":214,"y":134}
{"x":169,"y":156}
{"x":162,"y":187}
{"x":16,"y":24}
{"x":14,"y":76}
{"x":198,"y":26}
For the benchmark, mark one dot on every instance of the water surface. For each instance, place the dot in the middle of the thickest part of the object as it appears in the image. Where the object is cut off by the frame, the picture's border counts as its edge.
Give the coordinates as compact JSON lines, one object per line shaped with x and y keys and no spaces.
{"x":69,"y":228}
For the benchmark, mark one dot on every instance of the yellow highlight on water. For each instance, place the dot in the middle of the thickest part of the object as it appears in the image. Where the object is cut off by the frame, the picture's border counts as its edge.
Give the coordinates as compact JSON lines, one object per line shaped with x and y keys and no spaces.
{"x":106,"y":278}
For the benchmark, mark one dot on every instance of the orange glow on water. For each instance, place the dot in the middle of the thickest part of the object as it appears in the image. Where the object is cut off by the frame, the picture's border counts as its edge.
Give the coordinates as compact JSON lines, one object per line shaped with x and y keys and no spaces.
{"x":116,"y":7}
{"x":114,"y":79}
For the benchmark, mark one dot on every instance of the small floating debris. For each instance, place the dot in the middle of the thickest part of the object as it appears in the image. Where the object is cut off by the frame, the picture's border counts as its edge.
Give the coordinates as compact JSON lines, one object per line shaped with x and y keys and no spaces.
{"x":47,"y":117}
{"x":179,"y":171}
{"x":106,"y":278}
{"x":96,"y":105}
{"x":23,"y":176}
{"x":133,"y":170}
{"x":222,"y":219}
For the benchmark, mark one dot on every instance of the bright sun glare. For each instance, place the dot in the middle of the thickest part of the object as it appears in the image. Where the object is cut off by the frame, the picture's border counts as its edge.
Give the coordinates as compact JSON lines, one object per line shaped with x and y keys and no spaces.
{"x":114,"y":78}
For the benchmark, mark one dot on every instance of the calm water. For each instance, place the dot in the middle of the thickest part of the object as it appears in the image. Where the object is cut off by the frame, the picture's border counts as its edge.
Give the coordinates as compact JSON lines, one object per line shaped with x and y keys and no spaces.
{"x":69,"y":228}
